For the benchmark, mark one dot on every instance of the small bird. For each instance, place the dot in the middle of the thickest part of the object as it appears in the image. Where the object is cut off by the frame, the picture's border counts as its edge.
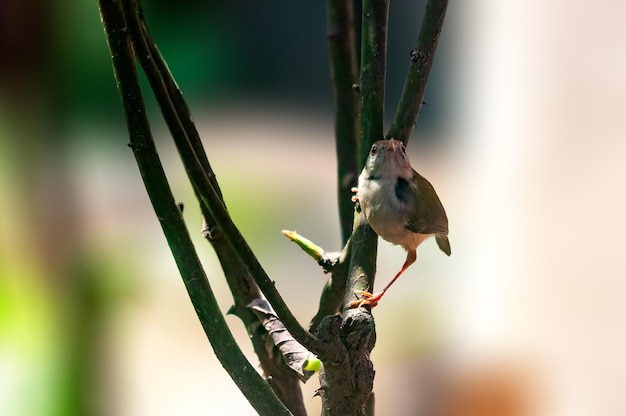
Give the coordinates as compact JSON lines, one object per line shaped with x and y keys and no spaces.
{"x":400,"y":205}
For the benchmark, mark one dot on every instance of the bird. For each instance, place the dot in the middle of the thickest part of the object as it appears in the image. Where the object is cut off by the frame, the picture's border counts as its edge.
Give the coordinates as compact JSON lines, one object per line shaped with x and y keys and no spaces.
{"x":400,"y":205}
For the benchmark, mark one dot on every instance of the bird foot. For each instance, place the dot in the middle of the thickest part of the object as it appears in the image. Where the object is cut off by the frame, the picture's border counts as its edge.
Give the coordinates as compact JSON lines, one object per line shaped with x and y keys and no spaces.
{"x":366,"y":298}
{"x":355,"y":197}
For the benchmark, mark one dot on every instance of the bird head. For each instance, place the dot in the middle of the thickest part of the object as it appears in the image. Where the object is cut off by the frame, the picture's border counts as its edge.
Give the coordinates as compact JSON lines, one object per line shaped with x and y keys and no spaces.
{"x":388,"y":158}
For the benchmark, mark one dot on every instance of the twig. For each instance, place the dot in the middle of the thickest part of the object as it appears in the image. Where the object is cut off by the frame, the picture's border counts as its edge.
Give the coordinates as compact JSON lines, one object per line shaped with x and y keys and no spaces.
{"x":373,"y":63}
{"x":344,"y":74}
{"x":372,"y":88}
{"x":421,"y":62}
{"x":346,"y":384}
{"x":245,"y":376}
{"x":244,"y":290}
{"x":210,"y":197}
{"x":283,"y":380}
{"x":332,"y":297}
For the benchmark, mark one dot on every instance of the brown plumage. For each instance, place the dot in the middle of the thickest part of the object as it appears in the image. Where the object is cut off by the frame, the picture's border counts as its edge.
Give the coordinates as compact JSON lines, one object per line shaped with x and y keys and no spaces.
{"x":401,"y":206}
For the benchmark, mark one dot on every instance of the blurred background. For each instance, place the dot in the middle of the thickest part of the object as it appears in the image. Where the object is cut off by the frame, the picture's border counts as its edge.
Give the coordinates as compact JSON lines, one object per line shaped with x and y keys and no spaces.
{"x":523,"y":137}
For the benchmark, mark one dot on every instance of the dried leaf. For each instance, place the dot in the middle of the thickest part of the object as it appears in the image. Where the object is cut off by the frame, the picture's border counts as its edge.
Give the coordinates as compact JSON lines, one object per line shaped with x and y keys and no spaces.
{"x":293,"y":354}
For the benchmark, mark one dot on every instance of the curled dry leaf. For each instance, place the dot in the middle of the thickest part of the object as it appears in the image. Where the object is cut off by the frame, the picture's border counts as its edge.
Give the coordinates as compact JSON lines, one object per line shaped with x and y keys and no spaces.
{"x":293,"y":354}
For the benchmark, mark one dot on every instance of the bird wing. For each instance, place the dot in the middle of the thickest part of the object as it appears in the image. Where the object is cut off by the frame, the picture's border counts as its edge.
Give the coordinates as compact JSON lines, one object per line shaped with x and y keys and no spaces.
{"x":430,"y":216}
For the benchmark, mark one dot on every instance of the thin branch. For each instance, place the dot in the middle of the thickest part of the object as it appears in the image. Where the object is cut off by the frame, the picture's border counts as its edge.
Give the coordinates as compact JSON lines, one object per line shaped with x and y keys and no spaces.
{"x":178,"y":104}
{"x":372,"y":88}
{"x":210,"y":198}
{"x":168,"y":95}
{"x":373,"y":64}
{"x":345,"y":385}
{"x":245,"y":376}
{"x":421,"y":62}
{"x":260,"y":276}
{"x":244,"y":290}
{"x":331,"y":299}
{"x":284,"y":381}
{"x":344,"y":73}
{"x":333,"y":293}
{"x":363,"y":259}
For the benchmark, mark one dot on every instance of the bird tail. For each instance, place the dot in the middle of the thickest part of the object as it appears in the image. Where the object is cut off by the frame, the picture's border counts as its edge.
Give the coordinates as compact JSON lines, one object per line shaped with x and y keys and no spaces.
{"x":443,"y":243}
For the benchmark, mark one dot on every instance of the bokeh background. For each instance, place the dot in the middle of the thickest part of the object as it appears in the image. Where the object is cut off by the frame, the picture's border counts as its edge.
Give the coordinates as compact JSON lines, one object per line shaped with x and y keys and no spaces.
{"x":523,"y":137}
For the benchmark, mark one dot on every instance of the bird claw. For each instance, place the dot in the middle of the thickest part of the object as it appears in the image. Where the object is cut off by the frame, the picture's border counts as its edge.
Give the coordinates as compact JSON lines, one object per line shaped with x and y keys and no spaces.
{"x":366,"y":298}
{"x":355,"y":197}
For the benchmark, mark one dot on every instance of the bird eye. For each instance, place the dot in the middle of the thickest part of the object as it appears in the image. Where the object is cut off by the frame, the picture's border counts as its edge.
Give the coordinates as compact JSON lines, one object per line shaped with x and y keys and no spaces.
{"x":374,"y":150}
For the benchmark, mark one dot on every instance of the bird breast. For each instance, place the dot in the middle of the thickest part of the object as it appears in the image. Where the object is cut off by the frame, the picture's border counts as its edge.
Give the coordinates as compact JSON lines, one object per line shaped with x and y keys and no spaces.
{"x":386,"y":213}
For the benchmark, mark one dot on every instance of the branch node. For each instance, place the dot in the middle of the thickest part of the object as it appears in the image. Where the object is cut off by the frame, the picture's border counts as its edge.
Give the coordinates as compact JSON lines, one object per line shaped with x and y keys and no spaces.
{"x":323,"y":258}
{"x":210,"y":232}
{"x":419,"y":57}
{"x":329,"y":260}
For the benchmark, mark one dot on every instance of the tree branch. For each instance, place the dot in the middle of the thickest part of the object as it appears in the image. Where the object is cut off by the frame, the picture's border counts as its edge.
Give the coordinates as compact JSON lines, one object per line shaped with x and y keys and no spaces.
{"x":285,"y":382}
{"x":372,"y":88}
{"x":226,"y":349}
{"x":375,"y":15}
{"x":168,"y":95}
{"x":210,"y":197}
{"x":346,"y":384}
{"x":282,"y":378}
{"x":331,"y":300}
{"x":421,"y":62}
{"x":363,"y":260}
{"x":344,"y":75}
{"x":333,"y":293}
{"x":373,"y":64}
{"x":343,"y":342}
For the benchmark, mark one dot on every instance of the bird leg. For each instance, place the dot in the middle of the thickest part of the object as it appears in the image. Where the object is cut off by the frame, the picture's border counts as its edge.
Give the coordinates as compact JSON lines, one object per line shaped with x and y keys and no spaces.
{"x":366,"y":298}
